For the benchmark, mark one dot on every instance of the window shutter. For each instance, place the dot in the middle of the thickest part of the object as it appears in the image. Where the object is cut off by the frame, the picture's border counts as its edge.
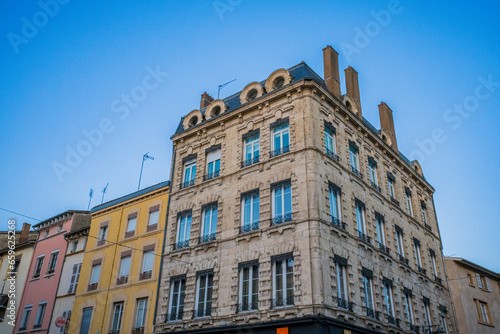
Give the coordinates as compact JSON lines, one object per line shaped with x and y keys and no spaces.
{"x":479,"y":281}
{"x":487,"y":283}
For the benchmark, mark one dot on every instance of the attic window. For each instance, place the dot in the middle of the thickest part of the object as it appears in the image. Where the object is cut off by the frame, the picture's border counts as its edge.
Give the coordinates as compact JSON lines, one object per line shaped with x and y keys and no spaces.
{"x":252,"y":94}
{"x":278,"y":82}
{"x":384,"y":138}
{"x":348,"y":105}
{"x":216,"y":111}
{"x":193,"y":121}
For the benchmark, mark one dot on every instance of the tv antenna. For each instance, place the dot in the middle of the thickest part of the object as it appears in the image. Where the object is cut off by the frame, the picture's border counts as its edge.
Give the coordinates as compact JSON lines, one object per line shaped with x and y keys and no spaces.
{"x":91,"y":193}
{"x":222,"y":86}
{"x":144,"y":158}
{"x":103,"y":192}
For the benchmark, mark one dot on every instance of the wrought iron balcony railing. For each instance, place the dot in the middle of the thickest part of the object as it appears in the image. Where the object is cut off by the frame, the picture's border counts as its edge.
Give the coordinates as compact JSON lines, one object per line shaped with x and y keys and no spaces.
{"x":332,"y":155}
{"x":395,"y":201}
{"x":413,"y":327}
{"x":139,"y":330}
{"x":174,"y":316}
{"x":281,"y":219}
{"x":356,"y":172}
{"x":422,"y":270}
{"x":371,"y":313}
{"x":402,"y":259}
{"x":100,"y":242}
{"x":384,"y":249}
{"x":337,"y":222}
{"x":92,"y":287}
{"x":207,"y":238}
{"x":363,"y":237}
{"x":279,"y":151}
{"x":249,"y":227}
{"x":428,"y":227}
{"x":250,"y":161}
{"x":246,"y":307}
{"x":282,"y":302}
{"x":187,"y":184}
{"x":392,"y":320}
{"x":203,"y":312}
{"x":375,"y":186}
{"x":181,"y":244}
{"x":345,"y":304}
{"x":438,"y":280}
{"x":210,"y":176}
{"x":122,"y":280}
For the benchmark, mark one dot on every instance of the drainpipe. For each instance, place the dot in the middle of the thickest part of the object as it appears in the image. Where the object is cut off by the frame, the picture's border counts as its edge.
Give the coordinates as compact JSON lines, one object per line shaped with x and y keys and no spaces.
{"x":444,"y":266}
{"x":164,"y":236}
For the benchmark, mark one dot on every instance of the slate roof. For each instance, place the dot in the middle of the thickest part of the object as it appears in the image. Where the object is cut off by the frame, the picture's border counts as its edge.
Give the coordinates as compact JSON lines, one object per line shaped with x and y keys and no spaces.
{"x":130,"y":196}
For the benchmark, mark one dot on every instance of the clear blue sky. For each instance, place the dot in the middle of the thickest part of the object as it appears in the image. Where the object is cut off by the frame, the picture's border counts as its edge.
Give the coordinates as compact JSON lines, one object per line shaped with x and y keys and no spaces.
{"x":68,"y":75}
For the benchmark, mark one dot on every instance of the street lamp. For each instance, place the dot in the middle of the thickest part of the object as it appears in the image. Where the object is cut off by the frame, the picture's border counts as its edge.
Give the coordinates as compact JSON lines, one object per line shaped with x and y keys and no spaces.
{"x":428,"y":330}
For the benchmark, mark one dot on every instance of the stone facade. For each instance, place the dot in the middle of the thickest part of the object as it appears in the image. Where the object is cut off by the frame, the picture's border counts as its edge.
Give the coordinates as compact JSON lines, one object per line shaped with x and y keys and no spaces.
{"x":308,"y":234}
{"x":472,"y":285}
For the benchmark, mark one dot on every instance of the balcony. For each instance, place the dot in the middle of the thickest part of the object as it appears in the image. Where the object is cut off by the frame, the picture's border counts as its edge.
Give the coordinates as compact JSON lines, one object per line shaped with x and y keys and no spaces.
{"x":413,"y":327}
{"x":122,"y":280}
{"x":100,"y":243}
{"x":279,"y":151}
{"x":337,"y":222}
{"x":363,"y":237}
{"x":203,"y":312}
{"x":145,"y":275}
{"x":375,"y":186}
{"x":391,"y":320}
{"x":384,"y":249}
{"x":207,"y":238}
{"x":210,"y":176}
{"x":345,"y":304}
{"x":174,"y":316}
{"x":282,"y":302}
{"x":422,"y":270}
{"x":249,"y":227}
{"x":281,"y":219}
{"x":249,"y":162}
{"x":181,"y":244}
{"x":332,"y":155}
{"x":395,"y":201}
{"x":92,"y":287}
{"x":244,"y":307}
{"x":438,"y":280}
{"x":371,"y":313}
{"x":356,"y":172}
{"x":428,"y":227}
{"x":402,"y":259}
{"x":187,"y":184}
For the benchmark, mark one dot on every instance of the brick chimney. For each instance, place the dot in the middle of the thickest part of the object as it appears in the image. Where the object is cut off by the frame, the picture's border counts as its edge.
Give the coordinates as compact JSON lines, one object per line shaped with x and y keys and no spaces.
{"x":352,"y":86}
{"x":205,"y":100}
{"x":387,"y":123}
{"x":331,"y":69}
{"x":25,"y":233}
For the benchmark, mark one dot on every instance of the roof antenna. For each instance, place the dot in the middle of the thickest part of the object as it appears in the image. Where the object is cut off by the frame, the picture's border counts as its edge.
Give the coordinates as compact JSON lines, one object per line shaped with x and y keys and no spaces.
{"x":103,"y":192}
{"x":222,"y":86}
{"x":91,"y":193}
{"x":144,"y":158}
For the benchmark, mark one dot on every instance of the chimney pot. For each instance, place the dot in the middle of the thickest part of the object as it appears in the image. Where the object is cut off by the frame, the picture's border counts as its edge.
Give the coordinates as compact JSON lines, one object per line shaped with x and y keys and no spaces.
{"x":387,"y":123}
{"x":352,"y":87}
{"x":206,"y":99}
{"x":331,"y":69}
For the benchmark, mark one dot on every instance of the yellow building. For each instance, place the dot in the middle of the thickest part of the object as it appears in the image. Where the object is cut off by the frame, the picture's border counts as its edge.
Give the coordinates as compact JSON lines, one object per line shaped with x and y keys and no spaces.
{"x":117,"y":287}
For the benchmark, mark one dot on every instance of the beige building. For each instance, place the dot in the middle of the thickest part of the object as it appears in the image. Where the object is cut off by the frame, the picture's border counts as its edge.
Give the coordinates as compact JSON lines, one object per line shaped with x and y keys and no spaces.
{"x":291,"y":213}
{"x":476,"y":296}
{"x":12,"y":280}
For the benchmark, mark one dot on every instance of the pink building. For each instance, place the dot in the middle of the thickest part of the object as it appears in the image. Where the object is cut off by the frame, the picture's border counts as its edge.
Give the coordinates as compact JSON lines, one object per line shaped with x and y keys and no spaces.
{"x":35,"y":310}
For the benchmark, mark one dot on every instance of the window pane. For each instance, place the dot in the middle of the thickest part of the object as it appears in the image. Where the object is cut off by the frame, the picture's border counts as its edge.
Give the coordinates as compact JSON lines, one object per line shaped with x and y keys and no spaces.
{"x":131,"y":224}
{"x":153,"y":217}
{"x":286,"y":139}
{"x":147,"y":262}
{"x":278,"y":208}
{"x":255,"y":217}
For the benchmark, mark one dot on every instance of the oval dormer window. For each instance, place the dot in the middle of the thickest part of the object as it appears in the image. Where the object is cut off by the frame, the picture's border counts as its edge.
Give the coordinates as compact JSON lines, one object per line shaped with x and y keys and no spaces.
{"x":252,"y":94}
{"x":278,"y":82}
{"x":348,"y":105}
{"x":193,"y":121}
{"x":216,"y":111}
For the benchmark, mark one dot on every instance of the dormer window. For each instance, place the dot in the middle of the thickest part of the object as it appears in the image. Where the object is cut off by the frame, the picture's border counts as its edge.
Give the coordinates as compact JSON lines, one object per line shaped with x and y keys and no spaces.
{"x":216,"y":111}
{"x":193,"y":121}
{"x":278,"y":82}
{"x":252,"y":95}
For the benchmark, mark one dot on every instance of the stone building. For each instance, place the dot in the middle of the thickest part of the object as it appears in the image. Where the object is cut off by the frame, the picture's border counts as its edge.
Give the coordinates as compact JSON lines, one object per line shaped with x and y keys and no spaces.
{"x":475,"y":291}
{"x":289,"y":212}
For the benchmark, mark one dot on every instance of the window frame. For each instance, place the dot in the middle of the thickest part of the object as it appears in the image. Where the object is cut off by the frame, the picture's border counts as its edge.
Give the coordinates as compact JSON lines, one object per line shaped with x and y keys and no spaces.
{"x":205,"y":310}
{"x":144,"y":313}
{"x":54,"y":256}
{"x":254,"y":207}
{"x":116,"y":323}
{"x":252,"y":296}
{"x":283,"y":262}
{"x":93,"y":270}
{"x":388,"y":298}
{"x":408,"y":301}
{"x":75,"y":277}
{"x":40,"y":314}
{"x":38,"y":266}
{"x":186,"y":228}
{"x":181,"y":295}
{"x":26,"y":316}
{"x":210,"y":233}
{"x":190,"y":166}
{"x":123,"y":270}
{"x":280,"y":130}
{"x":286,"y":192}
{"x":213,"y":164}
